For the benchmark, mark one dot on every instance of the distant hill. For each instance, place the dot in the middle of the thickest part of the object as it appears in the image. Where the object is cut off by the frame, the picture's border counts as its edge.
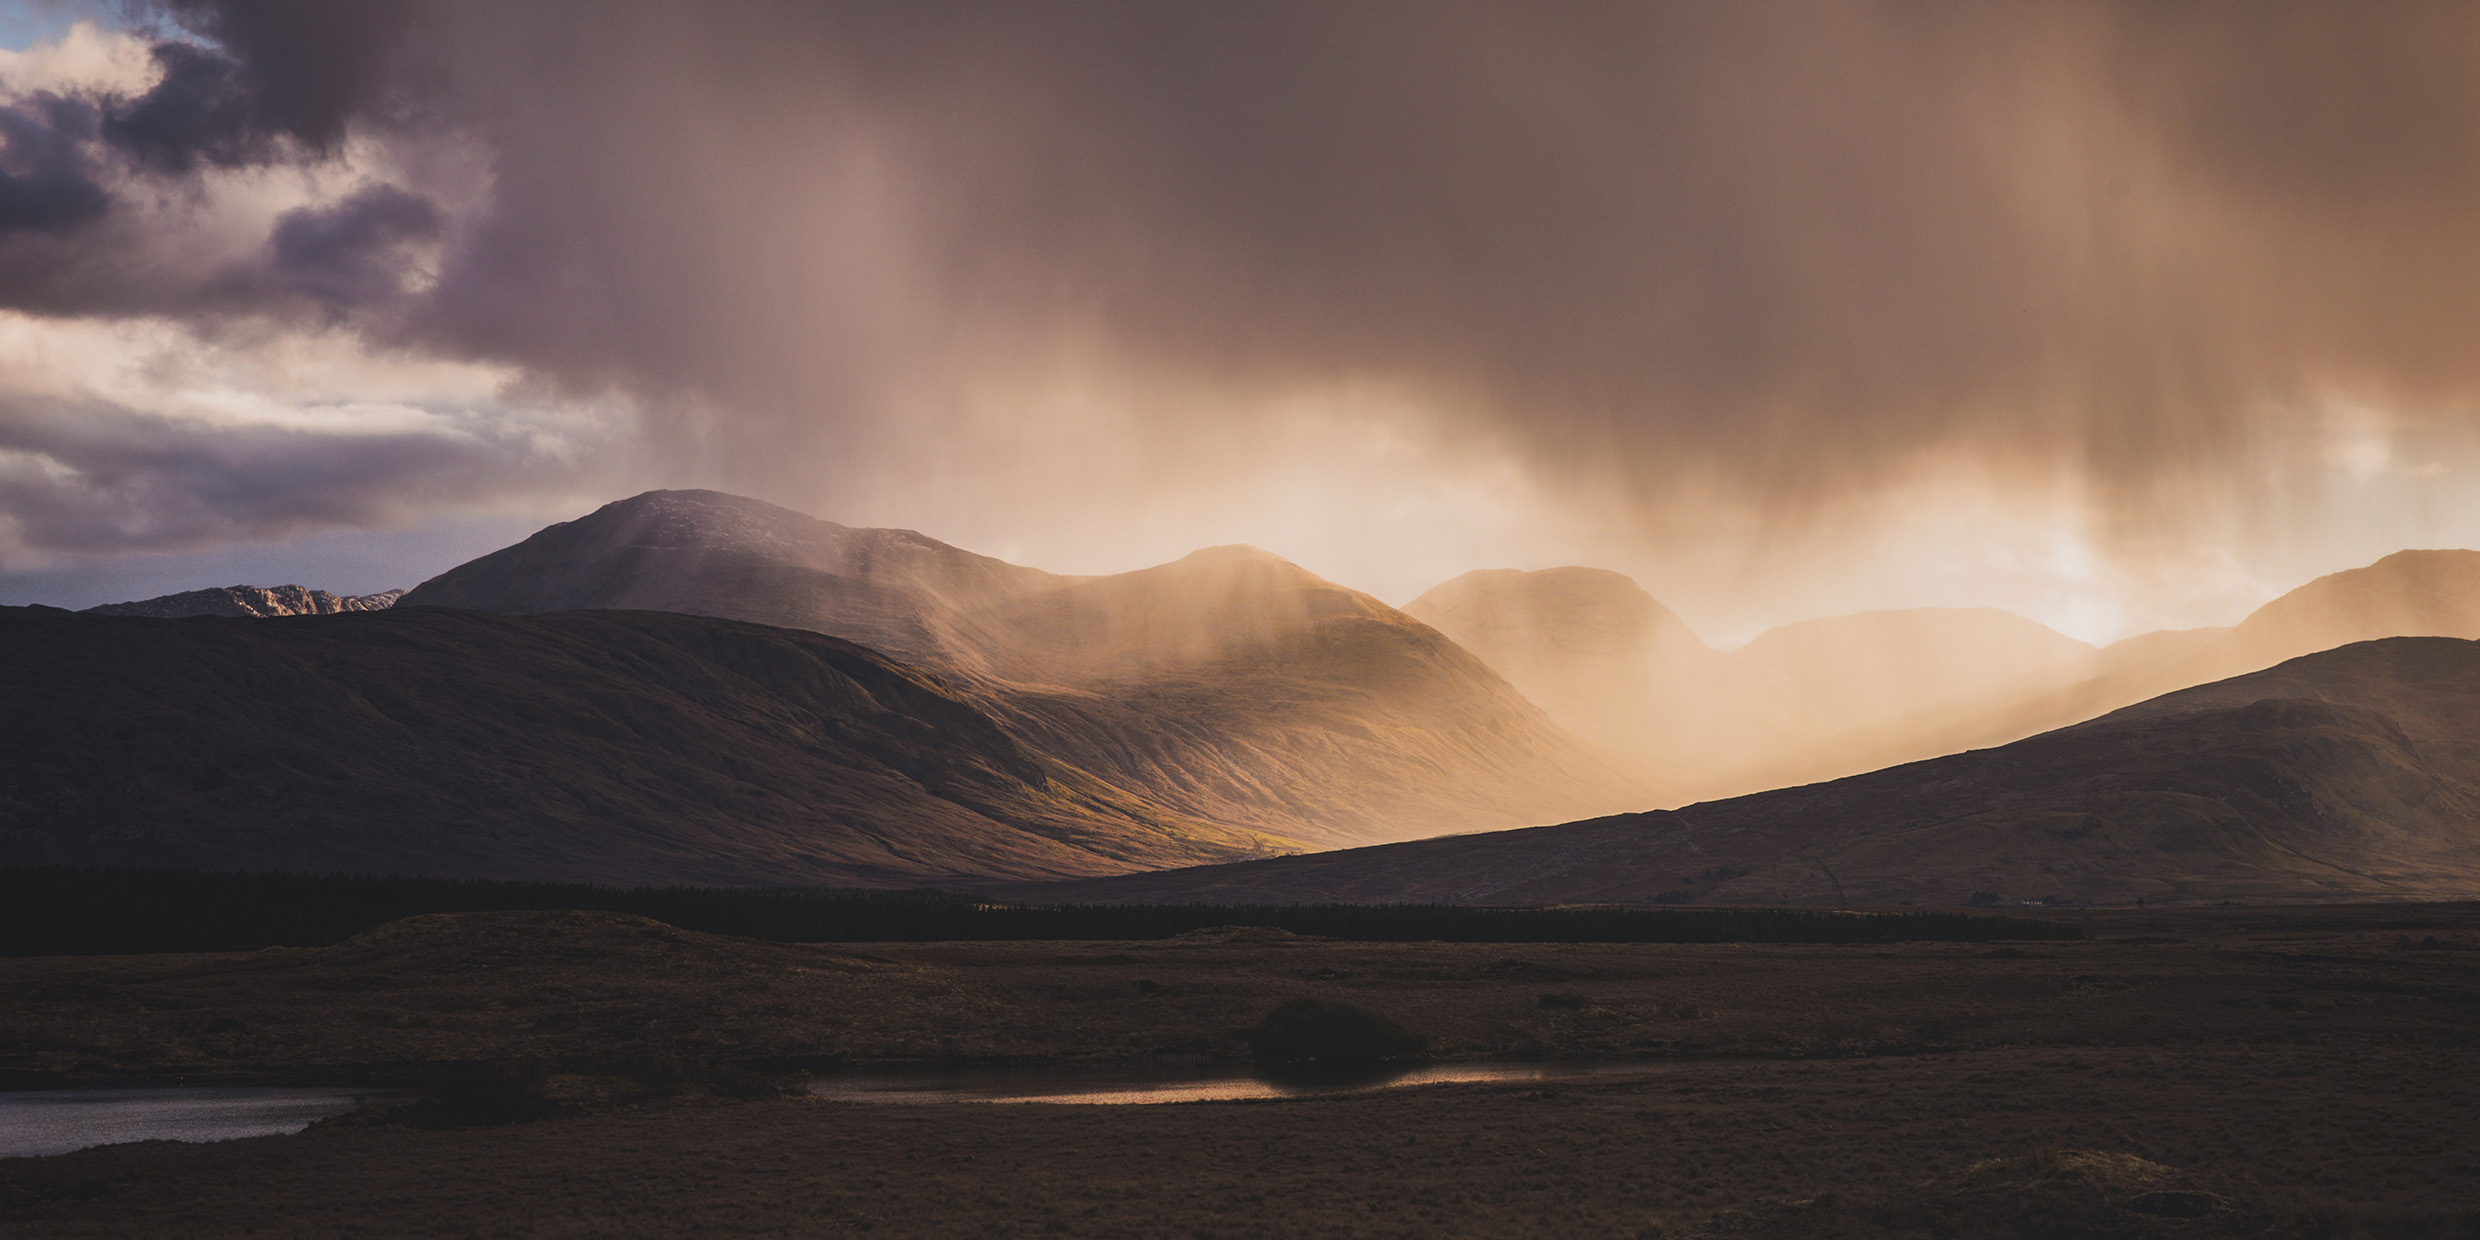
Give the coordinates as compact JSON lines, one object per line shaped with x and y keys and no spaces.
{"x":614,"y":747}
{"x":1607,"y":660}
{"x":706,"y":553}
{"x":1875,"y":667}
{"x":1231,"y":685}
{"x":257,"y":601}
{"x":1805,"y":701}
{"x":2407,"y":594}
{"x":2348,"y":774}
{"x":2008,"y":710}
{"x":1825,"y":698}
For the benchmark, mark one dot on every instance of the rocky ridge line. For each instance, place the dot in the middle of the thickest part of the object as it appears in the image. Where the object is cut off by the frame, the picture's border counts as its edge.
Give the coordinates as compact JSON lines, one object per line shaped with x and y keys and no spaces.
{"x":258,"y":602}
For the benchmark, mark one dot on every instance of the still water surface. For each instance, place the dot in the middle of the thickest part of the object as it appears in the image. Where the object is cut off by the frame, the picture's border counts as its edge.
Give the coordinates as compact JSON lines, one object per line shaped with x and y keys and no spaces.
{"x":56,"y":1121}
{"x":1126,"y":1086}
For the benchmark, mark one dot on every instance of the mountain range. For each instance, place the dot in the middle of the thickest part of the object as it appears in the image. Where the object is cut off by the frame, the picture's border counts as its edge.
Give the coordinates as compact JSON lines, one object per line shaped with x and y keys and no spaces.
{"x":2349,"y":774}
{"x":1825,"y":698}
{"x":617,"y":747}
{"x":255,"y":602}
{"x":1231,"y":686}
{"x":1015,"y":725}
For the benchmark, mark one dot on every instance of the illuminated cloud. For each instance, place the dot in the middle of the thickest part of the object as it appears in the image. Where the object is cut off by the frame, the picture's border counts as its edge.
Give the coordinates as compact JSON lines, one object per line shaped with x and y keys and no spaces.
{"x":1784,"y":309}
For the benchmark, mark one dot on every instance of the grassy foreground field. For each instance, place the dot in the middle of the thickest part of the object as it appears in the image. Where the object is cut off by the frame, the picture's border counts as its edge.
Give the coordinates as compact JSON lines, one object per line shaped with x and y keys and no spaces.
{"x":2219,"y":1072}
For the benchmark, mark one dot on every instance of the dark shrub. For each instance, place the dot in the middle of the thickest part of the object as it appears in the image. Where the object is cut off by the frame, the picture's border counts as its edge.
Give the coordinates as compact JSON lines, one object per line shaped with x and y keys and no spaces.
{"x":733,"y":1081}
{"x":655,"y":1068}
{"x":478,"y":1094}
{"x":1324,"y":1033}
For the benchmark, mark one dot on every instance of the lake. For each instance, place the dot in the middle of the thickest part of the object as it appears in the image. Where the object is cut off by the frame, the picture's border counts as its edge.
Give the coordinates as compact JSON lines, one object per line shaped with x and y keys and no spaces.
{"x":1140,"y":1086}
{"x":56,"y":1121}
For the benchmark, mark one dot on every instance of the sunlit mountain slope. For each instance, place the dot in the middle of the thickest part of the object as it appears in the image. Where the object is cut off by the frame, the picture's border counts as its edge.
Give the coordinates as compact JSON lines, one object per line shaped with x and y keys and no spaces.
{"x":2348,"y":774}
{"x":1230,"y":685}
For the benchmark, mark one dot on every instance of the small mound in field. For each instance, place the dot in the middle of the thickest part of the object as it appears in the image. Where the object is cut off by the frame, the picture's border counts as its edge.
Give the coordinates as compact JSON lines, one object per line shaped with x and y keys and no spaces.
{"x":2120,"y":1173}
{"x":1322,"y":1033}
{"x":1524,"y":969}
{"x":2055,"y":1193}
{"x":1240,"y":935}
{"x":549,"y":940}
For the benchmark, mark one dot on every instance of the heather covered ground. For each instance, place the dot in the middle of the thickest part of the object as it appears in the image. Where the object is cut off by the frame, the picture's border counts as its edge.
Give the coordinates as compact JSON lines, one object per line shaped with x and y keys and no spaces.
{"x":2219,"y":1072}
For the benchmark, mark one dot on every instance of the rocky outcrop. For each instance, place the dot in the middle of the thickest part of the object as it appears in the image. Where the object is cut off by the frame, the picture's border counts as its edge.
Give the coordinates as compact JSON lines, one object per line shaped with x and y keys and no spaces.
{"x":256,"y":602}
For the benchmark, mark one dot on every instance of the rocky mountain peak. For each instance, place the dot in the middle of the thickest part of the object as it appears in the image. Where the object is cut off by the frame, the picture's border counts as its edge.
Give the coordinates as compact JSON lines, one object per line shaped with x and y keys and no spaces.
{"x":258,"y":602}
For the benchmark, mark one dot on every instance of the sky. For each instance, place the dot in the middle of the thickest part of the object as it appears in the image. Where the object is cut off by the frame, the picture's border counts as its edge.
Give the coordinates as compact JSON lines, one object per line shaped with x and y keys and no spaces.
{"x":2117,"y":316}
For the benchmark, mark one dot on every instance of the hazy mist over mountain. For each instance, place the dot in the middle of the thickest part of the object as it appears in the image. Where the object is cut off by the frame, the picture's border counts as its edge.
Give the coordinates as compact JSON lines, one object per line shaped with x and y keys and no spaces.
{"x":1837,"y":696}
{"x":1230,"y":684}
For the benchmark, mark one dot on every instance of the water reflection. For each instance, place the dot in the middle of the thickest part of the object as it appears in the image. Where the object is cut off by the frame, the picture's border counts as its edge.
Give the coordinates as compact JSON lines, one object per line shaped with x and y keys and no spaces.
{"x":56,"y":1121}
{"x":1140,"y":1086}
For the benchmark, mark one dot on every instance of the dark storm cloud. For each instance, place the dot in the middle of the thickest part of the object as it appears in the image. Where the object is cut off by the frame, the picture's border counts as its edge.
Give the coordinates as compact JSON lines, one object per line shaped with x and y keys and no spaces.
{"x":244,"y":86}
{"x":354,"y":253}
{"x":1786,"y":244}
{"x":2356,"y":136}
{"x":1784,"y":248}
{"x":200,"y":112}
{"x":114,"y":479}
{"x":274,"y":72}
{"x":46,"y":178}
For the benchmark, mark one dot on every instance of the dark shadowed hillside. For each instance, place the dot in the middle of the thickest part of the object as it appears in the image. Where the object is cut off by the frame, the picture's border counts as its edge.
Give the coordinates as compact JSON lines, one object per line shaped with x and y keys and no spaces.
{"x":633,"y":747}
{"x":1230,"y":685}
{"x":2354,"y":773}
